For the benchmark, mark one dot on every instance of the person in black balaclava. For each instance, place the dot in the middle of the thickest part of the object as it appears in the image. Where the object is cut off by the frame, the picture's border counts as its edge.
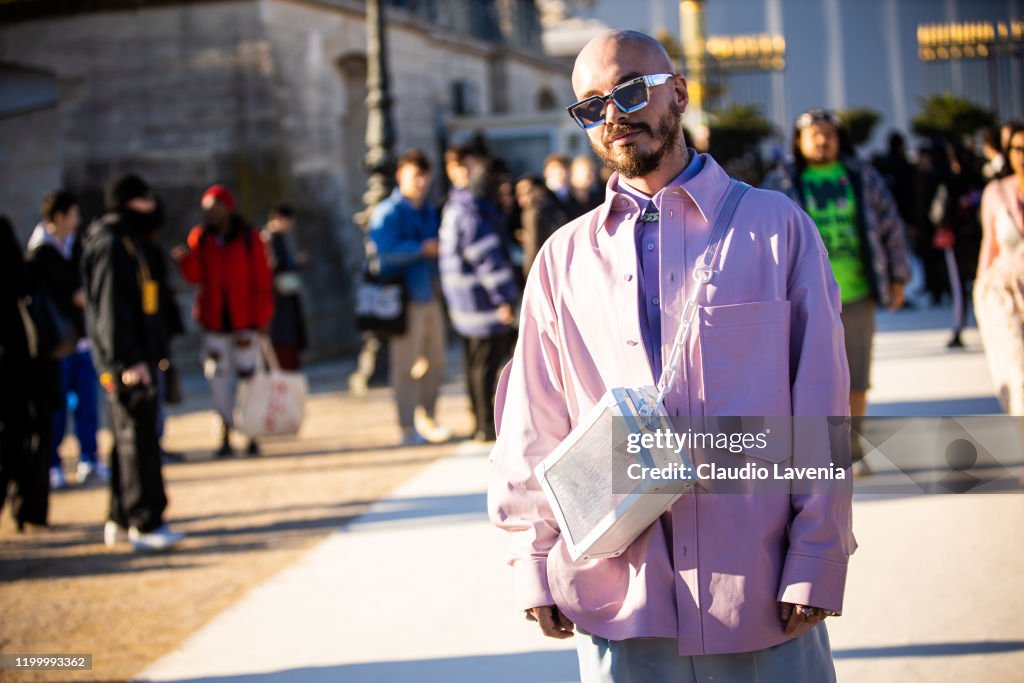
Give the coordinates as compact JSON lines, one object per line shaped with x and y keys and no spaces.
{"x":122,"y":320}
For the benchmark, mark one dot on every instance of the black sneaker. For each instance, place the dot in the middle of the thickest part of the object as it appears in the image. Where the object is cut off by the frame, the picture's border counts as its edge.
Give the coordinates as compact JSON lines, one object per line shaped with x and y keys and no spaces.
{"x":955,"y":342}
{"x":254,"y":448}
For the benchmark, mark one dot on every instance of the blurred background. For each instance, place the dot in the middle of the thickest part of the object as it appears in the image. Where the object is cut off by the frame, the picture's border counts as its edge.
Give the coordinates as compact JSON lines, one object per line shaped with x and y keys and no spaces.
{"x":270,"y":98}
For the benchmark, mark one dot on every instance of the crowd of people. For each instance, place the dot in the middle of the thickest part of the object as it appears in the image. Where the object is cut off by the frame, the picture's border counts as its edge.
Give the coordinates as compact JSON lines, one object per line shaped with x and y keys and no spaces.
{"x":464,"y":268}
{"x":90,"y":313}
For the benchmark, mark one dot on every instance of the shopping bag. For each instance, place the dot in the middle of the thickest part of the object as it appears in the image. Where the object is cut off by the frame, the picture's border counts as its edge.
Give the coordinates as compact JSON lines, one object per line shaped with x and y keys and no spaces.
{"x":271,"y":401}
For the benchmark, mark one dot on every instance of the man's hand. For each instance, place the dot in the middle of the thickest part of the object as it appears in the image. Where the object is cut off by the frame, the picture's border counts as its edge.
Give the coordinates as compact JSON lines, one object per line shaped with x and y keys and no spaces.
{"x":505,"y":315}
{"x":136,"y":374}
{"x":795,"y":615}
{"x":552,"y":622}
{"x":78,"y":298}
{"x":179,"y":252}
{"x":897,"y":296}
{"x":428,"y":248}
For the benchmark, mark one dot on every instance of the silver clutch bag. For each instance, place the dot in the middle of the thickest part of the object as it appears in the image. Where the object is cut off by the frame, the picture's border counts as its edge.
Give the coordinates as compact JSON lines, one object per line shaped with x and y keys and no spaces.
{"x":600,"y":509}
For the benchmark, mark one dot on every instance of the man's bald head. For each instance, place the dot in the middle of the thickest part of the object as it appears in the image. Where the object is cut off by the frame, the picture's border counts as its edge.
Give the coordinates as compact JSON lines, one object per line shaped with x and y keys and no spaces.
{"x":617,"y":46}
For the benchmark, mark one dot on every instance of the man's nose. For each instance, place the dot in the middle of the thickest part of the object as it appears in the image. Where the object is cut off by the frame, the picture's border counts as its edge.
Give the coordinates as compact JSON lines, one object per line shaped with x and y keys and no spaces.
{"x":612,"y":113}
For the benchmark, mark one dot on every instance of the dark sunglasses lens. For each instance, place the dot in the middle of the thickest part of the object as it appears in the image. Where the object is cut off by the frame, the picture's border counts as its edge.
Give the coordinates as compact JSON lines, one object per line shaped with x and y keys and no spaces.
{"x":589,"y":111}
{"x":631,"y":95}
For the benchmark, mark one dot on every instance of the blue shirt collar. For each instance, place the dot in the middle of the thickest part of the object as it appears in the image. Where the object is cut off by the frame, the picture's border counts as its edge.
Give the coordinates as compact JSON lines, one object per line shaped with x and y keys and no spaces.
{"x":691,"y":170}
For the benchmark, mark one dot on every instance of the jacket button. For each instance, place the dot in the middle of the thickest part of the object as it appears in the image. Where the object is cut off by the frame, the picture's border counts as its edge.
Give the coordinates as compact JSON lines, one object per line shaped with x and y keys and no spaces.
{"x":632,"y":342}
{"x":627,"y":277}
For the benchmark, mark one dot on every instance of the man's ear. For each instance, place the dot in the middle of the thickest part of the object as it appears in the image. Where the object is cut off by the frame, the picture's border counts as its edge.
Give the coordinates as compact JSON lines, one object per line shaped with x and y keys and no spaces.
{"x":682,"y":91}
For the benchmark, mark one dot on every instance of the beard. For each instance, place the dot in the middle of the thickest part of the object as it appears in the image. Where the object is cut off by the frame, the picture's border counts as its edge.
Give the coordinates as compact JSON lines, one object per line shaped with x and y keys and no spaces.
{"x":630,"y":161}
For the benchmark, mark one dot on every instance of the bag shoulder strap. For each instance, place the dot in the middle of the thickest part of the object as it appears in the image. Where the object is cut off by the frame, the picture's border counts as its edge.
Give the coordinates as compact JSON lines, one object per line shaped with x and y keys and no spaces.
{"x":733,"y":196}
{"x":702,"y":275}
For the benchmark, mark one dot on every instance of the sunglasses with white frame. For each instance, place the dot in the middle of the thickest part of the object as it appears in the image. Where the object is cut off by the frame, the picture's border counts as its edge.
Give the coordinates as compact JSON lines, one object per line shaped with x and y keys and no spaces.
{"x":631,"y":96}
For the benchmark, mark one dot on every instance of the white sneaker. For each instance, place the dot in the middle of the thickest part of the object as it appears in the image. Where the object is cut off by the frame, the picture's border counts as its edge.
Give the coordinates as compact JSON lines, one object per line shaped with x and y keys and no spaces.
{"x":431,"y":431}
{"x":158,"y":539}
{"x":114,"y":533}
{"x":357,"y":384}
{"x":57,"y":480}
{"x":87,"y":471}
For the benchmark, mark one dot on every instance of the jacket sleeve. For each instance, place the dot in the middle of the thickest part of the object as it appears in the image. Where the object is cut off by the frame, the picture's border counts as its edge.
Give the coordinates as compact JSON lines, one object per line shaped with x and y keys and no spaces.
{"x":114,"y":315}
{"x":892,"y":232}
{"x":482,"y":249}
{"x":821,"y":529}
{"x":262,"y":283}
{"x":385,"y":232}
{"x":190,"y":266}
{"x":532,"y":418}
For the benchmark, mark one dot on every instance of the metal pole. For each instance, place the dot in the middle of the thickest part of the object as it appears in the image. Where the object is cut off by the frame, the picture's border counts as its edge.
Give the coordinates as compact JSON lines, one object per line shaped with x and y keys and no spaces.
{"x":691,"y":33}
{"x":993,"y":83}
{"x":380,"y":131}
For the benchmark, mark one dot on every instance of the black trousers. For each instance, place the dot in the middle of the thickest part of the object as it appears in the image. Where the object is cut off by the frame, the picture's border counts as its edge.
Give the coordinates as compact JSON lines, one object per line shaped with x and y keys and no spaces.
{"x":137,"y":497}
{"x":30,"y":390}
{"x":25,"y":450}
{"x":485,"y":357}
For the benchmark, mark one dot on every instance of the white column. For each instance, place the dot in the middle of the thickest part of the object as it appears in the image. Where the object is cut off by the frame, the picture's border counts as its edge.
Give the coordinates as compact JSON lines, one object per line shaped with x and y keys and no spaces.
{"x":894,"y":47}
{"x":955,"y":66}
{"x":1015,"y":75}
{"x":780,"y":99}
{"x":835,"y":74}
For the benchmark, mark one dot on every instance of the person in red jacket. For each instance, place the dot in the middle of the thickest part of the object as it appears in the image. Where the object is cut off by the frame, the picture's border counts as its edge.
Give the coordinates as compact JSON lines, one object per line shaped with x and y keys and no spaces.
{"x":234,"y":303}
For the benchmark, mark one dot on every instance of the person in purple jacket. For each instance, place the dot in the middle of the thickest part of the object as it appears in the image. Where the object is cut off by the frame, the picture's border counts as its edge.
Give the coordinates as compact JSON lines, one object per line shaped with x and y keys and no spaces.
{"x":478,"y":282}
{"x":721,"y":587}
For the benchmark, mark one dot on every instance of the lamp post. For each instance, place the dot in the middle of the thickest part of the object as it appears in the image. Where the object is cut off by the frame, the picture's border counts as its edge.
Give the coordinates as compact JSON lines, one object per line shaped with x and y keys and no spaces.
{"x":380,"y":130}
{"x":691,"y":33}
{"x":380,"y":167}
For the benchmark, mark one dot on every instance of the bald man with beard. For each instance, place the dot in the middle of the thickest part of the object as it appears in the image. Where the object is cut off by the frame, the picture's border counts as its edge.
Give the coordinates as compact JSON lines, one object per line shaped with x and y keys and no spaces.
{"x":720,"y":587}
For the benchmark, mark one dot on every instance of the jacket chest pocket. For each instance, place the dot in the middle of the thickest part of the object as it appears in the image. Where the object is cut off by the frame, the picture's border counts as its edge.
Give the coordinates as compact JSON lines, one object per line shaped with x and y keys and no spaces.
{"x":745,"y":359}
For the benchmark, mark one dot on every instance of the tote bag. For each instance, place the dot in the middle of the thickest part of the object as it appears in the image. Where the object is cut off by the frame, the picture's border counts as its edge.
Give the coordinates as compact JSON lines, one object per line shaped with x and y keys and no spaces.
{"x":271,"y":401}
{"x":381,"y":302}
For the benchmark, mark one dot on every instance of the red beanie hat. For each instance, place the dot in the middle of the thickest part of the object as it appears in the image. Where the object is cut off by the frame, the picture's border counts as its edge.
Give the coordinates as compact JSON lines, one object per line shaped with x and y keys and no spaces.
{"x":222,"y":195}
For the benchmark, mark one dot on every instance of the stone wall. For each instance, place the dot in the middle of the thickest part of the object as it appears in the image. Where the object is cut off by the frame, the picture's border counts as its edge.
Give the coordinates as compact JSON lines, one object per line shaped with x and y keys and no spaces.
{"x":263,"y":95}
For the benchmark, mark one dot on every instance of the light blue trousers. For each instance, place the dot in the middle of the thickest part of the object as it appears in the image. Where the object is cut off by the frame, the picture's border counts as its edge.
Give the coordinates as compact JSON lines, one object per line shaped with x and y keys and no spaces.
{"x":807,"y":659}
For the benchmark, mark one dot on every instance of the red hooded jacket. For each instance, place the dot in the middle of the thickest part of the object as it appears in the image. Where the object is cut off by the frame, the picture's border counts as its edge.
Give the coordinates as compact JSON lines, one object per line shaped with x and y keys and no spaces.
{"x":231,"y":272}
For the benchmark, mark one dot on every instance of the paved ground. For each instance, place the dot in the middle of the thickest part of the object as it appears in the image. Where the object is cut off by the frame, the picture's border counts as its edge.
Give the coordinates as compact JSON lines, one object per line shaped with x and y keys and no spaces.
{"x":416,"y":589}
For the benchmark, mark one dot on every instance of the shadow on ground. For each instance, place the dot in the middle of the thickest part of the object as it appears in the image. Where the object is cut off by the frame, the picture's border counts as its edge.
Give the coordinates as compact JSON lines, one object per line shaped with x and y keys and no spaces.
{"x":520,"y":667}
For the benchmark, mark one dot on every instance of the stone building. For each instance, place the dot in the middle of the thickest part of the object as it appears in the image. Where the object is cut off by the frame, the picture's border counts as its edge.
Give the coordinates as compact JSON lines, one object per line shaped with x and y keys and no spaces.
{"x":267,"y":96}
